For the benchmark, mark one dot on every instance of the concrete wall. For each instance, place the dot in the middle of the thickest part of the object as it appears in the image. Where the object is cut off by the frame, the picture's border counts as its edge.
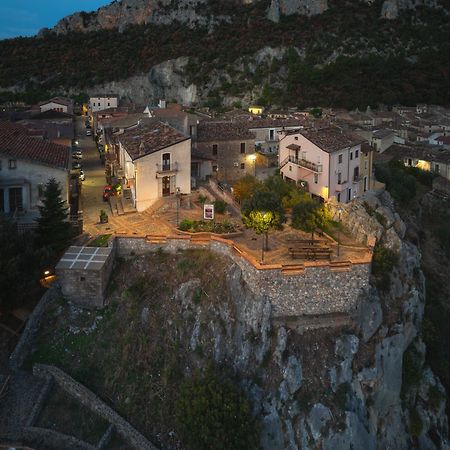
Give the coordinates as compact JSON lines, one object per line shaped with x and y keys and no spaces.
{"x":91,"y":401}
{"x":318,"y":289}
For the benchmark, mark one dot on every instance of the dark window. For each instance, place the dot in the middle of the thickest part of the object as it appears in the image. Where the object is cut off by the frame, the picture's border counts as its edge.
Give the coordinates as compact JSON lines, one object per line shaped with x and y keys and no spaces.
{"x":2,"y":201}
{"x":339,"y":178}
{"x":242,"y":147}
{"x":340,"y":159}
{"x":214,"y":149}
{"x":0,"y":164}
{"x":339,"y":197}
{"x":356,"y":154}
{"x":15,"y":199}
{"x":166,"y":161}
{"x":356,"y":173}
{"x":351,"y":156}
{"x":242,"y":165}
{"x":215,"y":168}
{"x":82,"y":279}
{"x":12,"y":164}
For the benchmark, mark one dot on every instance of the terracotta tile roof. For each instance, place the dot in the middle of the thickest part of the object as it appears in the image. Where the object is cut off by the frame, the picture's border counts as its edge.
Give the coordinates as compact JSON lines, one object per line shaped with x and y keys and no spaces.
{"x":444,"y":139}
{"x":275,"y":123}
{"x":150,"y":137}
{"x":60,"y":100}
{"x":15,"y":142}
{"x":332,"y":140}
{"x":51,"y":114}
{"x":223,"y":131}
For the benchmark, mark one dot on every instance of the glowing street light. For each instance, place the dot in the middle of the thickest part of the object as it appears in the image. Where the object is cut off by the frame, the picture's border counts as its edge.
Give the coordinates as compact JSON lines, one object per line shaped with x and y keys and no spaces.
{"x":252,"y":158}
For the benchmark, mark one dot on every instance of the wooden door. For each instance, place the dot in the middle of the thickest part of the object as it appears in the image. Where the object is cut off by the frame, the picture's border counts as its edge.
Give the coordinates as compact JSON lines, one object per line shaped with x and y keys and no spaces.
{"x":165,"y":186}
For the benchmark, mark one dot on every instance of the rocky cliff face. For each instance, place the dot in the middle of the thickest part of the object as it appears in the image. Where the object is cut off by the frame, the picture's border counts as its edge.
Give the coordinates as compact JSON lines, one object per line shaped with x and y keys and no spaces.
{"x":195,"y":13}
{"x":363,"y":387}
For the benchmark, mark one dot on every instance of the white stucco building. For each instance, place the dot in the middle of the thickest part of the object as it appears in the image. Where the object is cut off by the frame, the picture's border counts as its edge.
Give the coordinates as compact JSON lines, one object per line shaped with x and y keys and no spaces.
{"x":156,"y":161}
{"x":99,"y":102}
{"x":60,"y":104}
{"x":327,"y":163}
{"x":26,"y":165}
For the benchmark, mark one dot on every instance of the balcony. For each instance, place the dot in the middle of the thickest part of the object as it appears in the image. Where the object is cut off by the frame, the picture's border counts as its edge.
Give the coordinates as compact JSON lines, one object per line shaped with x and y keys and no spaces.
{"x":341,"y":186}
{"x":165,"y":169}
{"x":357,"y":178}
{"x":317,"y":168}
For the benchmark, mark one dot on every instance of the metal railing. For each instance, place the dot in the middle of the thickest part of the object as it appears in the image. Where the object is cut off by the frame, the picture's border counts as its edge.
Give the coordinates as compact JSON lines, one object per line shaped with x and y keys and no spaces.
{"x":171,"y":167}
{"x":302,"y":163}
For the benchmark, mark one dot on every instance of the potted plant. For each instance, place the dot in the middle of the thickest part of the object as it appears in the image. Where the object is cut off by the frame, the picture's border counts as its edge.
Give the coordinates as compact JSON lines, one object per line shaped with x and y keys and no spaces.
{"x":103,"y":216}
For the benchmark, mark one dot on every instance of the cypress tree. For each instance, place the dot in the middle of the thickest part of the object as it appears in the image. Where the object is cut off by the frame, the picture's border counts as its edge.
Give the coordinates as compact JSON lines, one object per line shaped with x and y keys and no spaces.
{"x":54,"y":231}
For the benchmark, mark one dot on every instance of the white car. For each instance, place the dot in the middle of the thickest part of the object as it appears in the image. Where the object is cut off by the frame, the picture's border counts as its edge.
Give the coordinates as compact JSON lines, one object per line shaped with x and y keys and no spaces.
{"x":77,"y":155}
{"x":88,"y":132}
{"x":81,"y":176}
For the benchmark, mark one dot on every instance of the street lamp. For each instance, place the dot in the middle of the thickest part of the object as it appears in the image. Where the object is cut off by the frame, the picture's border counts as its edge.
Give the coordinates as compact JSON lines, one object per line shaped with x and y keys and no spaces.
{"x":178,"y":205}
{"x":339,"y":210}
{"x":252,"y":158}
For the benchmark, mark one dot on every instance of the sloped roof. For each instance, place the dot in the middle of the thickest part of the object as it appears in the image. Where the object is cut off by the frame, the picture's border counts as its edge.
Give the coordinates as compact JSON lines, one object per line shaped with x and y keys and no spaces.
{"x":60,"y":100}
{"x":150,"y":137}
{"x":15,"y":142}
{"x":332,"y":140}
{"x":223,"y":131}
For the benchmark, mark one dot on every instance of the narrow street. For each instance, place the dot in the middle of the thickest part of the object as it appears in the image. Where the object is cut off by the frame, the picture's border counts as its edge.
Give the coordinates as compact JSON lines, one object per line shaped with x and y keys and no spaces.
{"x":94,"y":171}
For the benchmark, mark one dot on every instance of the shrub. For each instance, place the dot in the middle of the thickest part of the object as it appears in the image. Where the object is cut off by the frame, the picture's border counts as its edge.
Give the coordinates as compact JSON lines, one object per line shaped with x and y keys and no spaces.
{"x":383,"y":262}
{"x":202,"y":199}
{"x":415,"y":423}
{"x":186,"y":225}
{"x":220,"y":206}
{"x":212,"y":412}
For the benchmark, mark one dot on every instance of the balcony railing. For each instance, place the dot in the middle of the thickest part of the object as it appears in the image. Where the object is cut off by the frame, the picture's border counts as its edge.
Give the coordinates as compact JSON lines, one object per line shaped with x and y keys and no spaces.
{"x":302,"y":163}
{"x":163,"y":168}
{"x":340,"y":186}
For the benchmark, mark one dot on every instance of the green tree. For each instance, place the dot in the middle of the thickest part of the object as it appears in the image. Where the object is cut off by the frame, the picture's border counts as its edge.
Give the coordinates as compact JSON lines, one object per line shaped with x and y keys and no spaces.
{"x":244,"y":188}
{"x":308,"y":215}
{"x":54,"y":231}
{"x":262,"y":213}
{"x":213,"y":414}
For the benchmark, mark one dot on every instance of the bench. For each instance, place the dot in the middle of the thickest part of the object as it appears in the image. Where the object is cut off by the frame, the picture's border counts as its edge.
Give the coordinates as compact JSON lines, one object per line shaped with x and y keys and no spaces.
{"x":311,"y":253}
{"x":307,"y":241}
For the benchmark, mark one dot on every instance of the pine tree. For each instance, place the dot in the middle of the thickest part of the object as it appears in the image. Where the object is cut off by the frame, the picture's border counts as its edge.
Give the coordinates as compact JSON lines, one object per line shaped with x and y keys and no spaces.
{"x":54,"y":231}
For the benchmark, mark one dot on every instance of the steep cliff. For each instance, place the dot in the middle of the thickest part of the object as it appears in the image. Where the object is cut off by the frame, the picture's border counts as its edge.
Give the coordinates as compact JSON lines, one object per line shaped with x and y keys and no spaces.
{"x":312,"y":381}
{"x":204,"y":13}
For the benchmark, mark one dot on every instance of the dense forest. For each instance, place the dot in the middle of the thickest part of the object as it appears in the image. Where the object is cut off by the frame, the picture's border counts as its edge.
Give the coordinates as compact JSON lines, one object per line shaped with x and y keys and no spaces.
{"x":348,"y":57}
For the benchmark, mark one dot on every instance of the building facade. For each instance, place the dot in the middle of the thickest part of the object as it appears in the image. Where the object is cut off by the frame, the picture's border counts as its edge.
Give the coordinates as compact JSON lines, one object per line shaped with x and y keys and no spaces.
{"x":155,"y":160}
{"x":230,"y":148}
{"x":26,"y":165}
{"x":102,"y":101}
{"x":327,"y":163}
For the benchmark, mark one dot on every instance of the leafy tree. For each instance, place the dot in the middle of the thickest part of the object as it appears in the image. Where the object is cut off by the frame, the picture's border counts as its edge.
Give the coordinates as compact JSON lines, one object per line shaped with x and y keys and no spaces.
{"x":309,"y":215}
{"x":213,"y":414}
{"x":53,"y":230}
{"x":262,"y":213}
{"x":245,"y":188}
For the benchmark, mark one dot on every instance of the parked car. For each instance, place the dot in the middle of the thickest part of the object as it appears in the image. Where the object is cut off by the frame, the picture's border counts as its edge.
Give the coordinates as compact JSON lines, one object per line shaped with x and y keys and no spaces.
{"x":108,"y":191}
{"x":88,"y":132}
{"x":76,"y":165}
{"x":82,"y":177}
{"x":77,"y":155}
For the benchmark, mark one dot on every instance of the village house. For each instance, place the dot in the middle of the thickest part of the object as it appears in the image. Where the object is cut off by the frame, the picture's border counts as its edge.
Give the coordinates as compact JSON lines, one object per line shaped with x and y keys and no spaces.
{"x":99,"y":102}
{"x":26,"y":165}
{"x":155,"y":160}
{"x":60,"y":104}
{"x":431,"y":159}
{"x":266,"y":132}
{"x":230,"y":145}
{"x":327,"y":163}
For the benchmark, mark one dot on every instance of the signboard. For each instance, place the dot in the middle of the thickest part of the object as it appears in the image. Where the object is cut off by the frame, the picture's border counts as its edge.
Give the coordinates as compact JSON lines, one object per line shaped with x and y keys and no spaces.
{"x":208,"y":212}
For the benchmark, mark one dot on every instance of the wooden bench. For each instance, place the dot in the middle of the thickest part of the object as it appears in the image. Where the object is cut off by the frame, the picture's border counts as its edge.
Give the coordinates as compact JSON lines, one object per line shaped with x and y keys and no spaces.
{"x":307,"y":241}
{"x":311,"y":253}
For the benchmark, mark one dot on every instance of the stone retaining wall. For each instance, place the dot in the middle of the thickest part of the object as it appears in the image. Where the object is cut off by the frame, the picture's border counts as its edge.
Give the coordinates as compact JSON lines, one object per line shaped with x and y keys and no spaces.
{"x":316,"y":288}
{"x":91,"y":401}
{"x":23,"y":347}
